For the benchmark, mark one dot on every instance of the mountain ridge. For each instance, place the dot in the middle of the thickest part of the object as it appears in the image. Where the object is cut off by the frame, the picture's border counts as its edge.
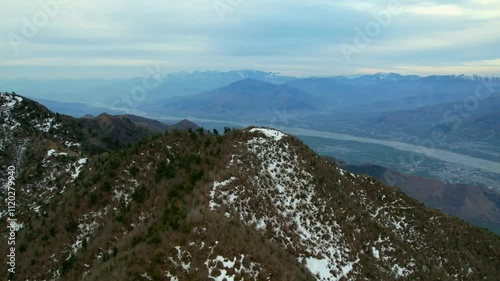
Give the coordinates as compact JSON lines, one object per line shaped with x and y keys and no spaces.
{"x":477,"y":205}
{"x":255,"y":204}
{"x":245,"y":97}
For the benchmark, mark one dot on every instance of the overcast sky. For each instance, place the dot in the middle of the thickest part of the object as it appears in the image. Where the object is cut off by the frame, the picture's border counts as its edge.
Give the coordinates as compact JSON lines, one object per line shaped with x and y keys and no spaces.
{"x":111,"y":38}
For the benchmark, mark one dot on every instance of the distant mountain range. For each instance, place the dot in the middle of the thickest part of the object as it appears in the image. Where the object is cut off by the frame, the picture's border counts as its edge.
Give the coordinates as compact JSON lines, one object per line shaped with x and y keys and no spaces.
{"x":190,"y":83}
{"x":160,"y":85}
{"x":246,"y":98}
{"x":390,"y":90}
{"x":331,"y":95}
{"x":383,"y":92}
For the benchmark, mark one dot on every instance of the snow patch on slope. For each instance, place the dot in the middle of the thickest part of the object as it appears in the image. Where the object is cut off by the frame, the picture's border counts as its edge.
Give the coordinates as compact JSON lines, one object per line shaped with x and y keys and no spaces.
{"x":229,"y":268}
{"x":45,"y":125}
{"x":214,"y":190}
{"x":53,"y":152}
{"x":76,"y":168}
{"x":270,"y":133}
{"x":281,"y":202}
{"x":8,"y":103}
{"x":86,"y":227}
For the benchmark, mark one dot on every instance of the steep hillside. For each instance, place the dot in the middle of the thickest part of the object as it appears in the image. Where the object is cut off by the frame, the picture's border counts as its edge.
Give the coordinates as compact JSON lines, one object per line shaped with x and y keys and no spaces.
{"x":475,"y":204}
{"x":23,"y":118}
{"x":255,"y":204}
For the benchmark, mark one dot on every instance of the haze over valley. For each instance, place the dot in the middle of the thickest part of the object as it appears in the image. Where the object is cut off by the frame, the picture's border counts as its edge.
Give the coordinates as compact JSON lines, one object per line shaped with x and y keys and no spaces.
{"x":457,"y":130}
